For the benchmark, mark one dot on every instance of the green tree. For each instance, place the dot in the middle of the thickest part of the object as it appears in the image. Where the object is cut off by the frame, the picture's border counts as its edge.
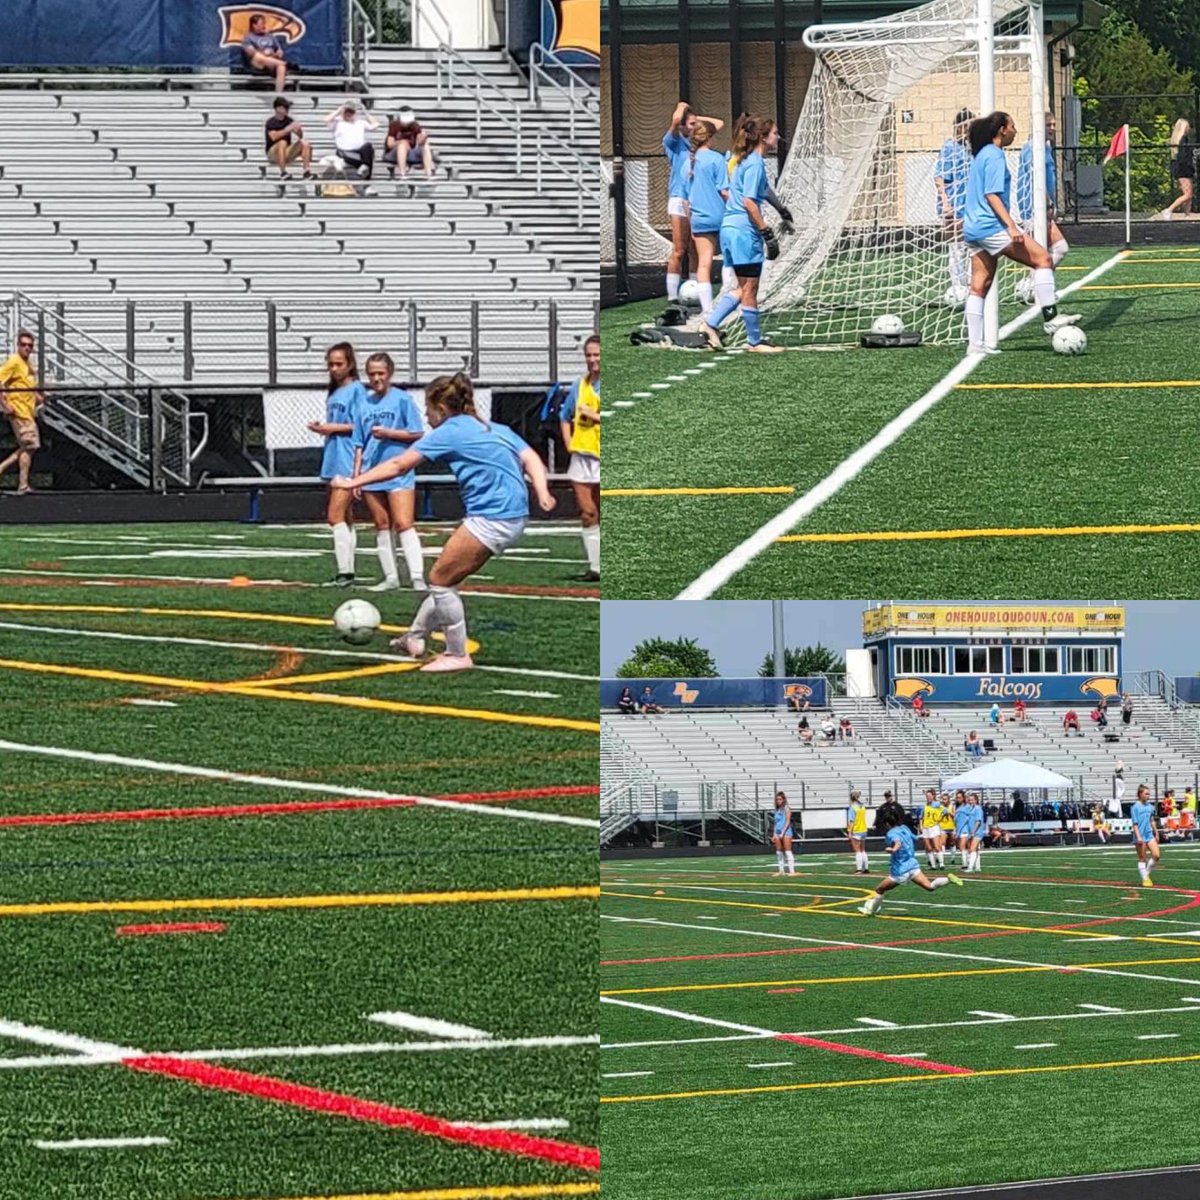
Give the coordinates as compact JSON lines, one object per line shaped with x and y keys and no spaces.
{"x":658,"y":658}
{"x":1170,"y":25}
{"x":805,"y":660}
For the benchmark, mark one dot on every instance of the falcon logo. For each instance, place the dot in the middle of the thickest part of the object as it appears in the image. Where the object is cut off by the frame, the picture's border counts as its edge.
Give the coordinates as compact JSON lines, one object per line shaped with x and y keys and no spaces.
{"x":572,"y":27}
{"x":235,"y":23}
{"x":797,"y":689}
{"x":1100,"y":687}
{"x":686,"y":695}
{"x":906,"y":689}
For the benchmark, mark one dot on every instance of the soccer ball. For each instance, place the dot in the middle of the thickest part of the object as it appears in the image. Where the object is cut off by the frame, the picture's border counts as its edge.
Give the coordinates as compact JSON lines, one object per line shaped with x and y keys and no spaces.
{"x":356,"y":621}
{"x":1024,"y":289}
{"x":888,"y":323}
{"x":956,"y":295}
{"x":1070,"y":339}
{"x":689,"y":293}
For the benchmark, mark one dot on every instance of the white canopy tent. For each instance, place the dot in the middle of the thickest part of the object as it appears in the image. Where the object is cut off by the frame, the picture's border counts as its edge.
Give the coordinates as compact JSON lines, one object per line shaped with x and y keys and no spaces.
{"x":1009,"y":774}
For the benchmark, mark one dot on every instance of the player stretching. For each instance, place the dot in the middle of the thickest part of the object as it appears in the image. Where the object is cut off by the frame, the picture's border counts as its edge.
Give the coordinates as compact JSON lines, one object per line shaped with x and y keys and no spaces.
{"x":931,"y":828}
{"x":677,"y":147}
{"x":974,"y":833}
{"x":1054,"y":235}
{"x":990,"y":231}
{"x":781,"y":839}
{"x":856,"y":833}
{"x":903,"y":867}
{"x":1145,"y":835}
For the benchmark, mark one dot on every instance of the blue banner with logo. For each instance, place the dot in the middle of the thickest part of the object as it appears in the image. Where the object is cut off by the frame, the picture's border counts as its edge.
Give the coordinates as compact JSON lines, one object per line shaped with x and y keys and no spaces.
{"x":716,"y":693}
{"x":1188,"y":687}
{"x":35,"y":34}
{"x":1083,"y":690}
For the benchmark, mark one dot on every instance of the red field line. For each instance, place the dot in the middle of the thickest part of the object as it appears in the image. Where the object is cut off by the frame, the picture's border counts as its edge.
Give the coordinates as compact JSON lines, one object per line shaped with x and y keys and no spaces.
{"x":265,"y":1087}
{"x":922,"y":1064}
{"x":151,"y":930}
{"x":283,"y":808}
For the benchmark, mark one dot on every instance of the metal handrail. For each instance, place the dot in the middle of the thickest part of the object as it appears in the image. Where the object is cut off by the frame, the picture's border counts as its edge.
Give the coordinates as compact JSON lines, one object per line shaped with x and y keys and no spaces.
{"x":588,"y":103}
{"x":358,"y":59}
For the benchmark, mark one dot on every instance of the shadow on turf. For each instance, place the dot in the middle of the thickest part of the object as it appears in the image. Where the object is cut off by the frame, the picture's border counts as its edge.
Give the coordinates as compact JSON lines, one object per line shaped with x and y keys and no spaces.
{"x":1165,"y":1183}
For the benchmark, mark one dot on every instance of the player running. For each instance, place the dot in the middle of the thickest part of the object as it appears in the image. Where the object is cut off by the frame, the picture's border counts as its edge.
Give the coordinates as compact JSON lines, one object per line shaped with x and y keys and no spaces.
{"x":931,"y":827}
{"x":991,"y":231}
{"x":490,"y":463}
{"x":386,"y":421}
{"x":746,"y":238}
{"x":1145,"y":834}
{"x":1054,"y":235}
{"x":580,"y":423}
{"x":856,"y":833}
{"x":341,"y":410}
{"x":781,"y":838}
{"x":708,"y":191}
{"x":903,"y":867}
{"x":950,"y":174}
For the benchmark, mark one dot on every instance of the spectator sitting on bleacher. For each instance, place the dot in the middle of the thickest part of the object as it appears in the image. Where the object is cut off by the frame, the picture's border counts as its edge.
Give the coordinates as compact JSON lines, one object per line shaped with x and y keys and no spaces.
{"x":806,"y":734}
{"x":407,"y":144}
{"x":626,"y":703}
{"x":264,"y":53}
{"x":1100,"y":716}
{"x":1019,"y":711}
{"x":828,"y":728}
{"x":846,"y":729}
{"x":999,"y":837}
{"x":797,"y":703}
{"x":995,"y":717}
{"x":350,"y":128}
{"x":1071,"y":721}
{"x":647,"y":704}
{"x":281,"y":148}
{"x":918,"y":706}
{"x":973,"y":746}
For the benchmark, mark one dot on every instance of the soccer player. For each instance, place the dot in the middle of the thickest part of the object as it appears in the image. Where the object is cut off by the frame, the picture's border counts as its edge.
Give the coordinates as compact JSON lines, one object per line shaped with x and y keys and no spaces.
{"x":677,"y":147}
{"x":1145,"y":834}
{"x":490,"y":463}
{"x":990,"y":231}
{"x":708,"y":192}
{"x":903,"y":867}
{"x":746,"y":238}
{"x":781,"y":838}
{"x":856,"y":832}
{"x":1058,"y":243}
{"x":580,"y":424}
{"x":341,"y":411}
{"x":963,"y":820}
{"x":949,"y":808}
{"x":931,"y":827}
{"x":387,"y":420}
{"x":974,"y":833}
{"x":950,"y":174}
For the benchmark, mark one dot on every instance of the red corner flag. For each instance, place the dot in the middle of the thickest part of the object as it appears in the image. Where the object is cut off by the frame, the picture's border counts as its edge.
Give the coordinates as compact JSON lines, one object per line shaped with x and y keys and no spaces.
{"x":1119,"y":144}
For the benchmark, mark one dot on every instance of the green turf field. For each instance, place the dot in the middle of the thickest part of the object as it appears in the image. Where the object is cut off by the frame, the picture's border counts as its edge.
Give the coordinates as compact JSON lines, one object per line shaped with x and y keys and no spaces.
{"x":1020,"y":1026}
{"x":283,"y":917}
{"x":1037,"y":466}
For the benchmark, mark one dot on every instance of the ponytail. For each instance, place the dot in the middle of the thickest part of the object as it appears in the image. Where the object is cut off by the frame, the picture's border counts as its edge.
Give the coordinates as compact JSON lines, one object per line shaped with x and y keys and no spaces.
{"x":348,"y":350}
{"x":983,"y":130}
{"x":701,"y":135}
{"x":453,"y":393}
{"x":747,"y":137}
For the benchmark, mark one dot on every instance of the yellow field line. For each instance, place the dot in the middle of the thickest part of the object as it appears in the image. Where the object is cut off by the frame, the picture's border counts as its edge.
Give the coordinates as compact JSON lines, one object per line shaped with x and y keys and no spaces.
{"x":217,"y":613}
{"x":1128,"y":287}
{"x":925,"y":1077}
{"x":523,"y":1191}
{"x":945,"y":535}
{"x":272,"y":691}
{"x":1133,"y":384}
{"x":1178,"y":258}
{"x":331,"y":676}
{"x":696,"y":491}
{"x":337,"y":900}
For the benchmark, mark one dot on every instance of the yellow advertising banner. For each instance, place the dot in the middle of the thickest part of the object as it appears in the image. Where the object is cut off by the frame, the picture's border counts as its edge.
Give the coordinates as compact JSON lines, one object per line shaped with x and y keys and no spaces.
{"x":976,"y":618}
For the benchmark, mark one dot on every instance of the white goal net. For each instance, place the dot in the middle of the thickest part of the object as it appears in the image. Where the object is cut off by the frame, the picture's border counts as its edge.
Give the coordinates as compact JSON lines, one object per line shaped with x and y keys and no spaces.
{"x":643,"y":243}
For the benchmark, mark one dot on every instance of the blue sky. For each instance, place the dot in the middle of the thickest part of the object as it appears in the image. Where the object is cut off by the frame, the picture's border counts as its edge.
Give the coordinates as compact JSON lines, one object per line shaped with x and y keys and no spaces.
{"x":1163,"y":634}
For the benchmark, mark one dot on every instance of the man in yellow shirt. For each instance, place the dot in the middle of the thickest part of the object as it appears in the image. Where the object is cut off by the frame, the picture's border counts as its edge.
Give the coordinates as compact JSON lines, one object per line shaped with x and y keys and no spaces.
{"x":21,"y":402}
{"x":580,"y":419}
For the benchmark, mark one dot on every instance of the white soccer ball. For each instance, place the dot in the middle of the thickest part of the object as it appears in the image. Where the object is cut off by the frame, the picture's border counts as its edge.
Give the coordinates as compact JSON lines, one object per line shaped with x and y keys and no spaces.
{"x":888,"y":323}
{"x":956,"y":295}
{"x":1024,"y":288}
{"x":1070,"y":339}
{"x":356,"y":621}
{"x":689,"y":293}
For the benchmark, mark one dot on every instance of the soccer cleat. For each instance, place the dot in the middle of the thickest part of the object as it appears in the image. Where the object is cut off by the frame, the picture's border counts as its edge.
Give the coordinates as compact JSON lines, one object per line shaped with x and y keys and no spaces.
{"x":954,"y":879}
{"x":1147,"y":882}
{"x":588,"y":577}
{"x":419,"y":585}
{"x":866,"y":909}
{"x":340,"y":580}
{"x":983,"y":351}
{"x":385,"y":585}
{"x":1061,"y":322}
{"x":408,"y":643}
{"x":765,"y":348}
{"x":446,"y":663}
{"x":712,"y":336}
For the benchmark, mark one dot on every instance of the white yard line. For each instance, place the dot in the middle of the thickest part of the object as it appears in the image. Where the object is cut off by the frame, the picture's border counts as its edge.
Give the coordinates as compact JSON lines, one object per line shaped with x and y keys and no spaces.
{"x":1155,"y":1037}
{"x":42,"y":1036}
{"x":428,"y":1025}
{"x":682,"y":1016}
{"x":1101,"y":1008}
{"x":1037,"y":1046}
{"x":543,"y":1123}
{"x":530,"y":695}
{"x":741,"y":555}
{"x":271,"y":781}
{"x":877,"y":1023}
{"x":983,"y":1012}
{"x":121,"y":1143}
{"x":765,"y":1066}
{"x":625,"y":1074}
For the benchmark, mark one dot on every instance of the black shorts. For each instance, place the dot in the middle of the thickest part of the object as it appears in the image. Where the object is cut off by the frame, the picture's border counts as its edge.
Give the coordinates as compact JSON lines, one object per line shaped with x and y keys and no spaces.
{"x":749,"y":270}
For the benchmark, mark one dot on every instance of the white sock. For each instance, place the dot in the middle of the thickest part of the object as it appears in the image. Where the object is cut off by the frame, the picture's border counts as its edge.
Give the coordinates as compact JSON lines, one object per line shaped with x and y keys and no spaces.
{"x":1142,"y":871}
{"x":979,"y":860}
{"x":451,"y":618}
{"x":672,"y":285}
{"x":941,"y":862}
{"x":343,"y":548}
{"x":790,"y":860}
{"x":866,"y":862}
{"x":779,"y":859}
{"x":591,"y":546}
{"x":974,"y":320}
{"x":728,"y":279}
{"x":1043,"y":287}
{"x":940,"y":881}
{"x":930,"y":858}
{"x":873,"y":902}
{"x":410,"y":544}
{"x":706,"y":297}
{"x":1059,"y":251}
{"x":422,"y":623}
{"x":386,"y":549}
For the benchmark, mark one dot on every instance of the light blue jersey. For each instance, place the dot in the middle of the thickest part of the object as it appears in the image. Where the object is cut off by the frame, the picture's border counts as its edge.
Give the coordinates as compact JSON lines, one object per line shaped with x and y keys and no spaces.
{"x":1141,"y":814}
{"x":953,"y":168}
{"x":964,"y":820}
{"x":975,"y":820}
{"x":341,"y":408}
{"x":900,"y":845}
{"x":989,"y":176}
{"x":749,"y":182}
{"x":678,"y":151}
{"x":394,"y":410}
{"x":783,"y":823}
{"x":1025,"y":182}
{"x":710,"y":179}
{"x":485,"y":461}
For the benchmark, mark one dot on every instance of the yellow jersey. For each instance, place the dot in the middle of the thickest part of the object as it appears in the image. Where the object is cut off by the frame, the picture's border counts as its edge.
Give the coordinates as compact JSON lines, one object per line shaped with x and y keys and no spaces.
{"x":856,"y":819}
{"x":20,"y":386}
{"x":1189,"y":801}
{"x":948,"y":818}
{"x":585,"y":431}
{"x":931,"y":816}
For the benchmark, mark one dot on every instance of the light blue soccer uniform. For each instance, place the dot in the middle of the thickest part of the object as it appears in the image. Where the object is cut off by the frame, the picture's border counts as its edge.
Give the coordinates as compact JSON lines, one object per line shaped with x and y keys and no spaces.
{"x":783,"y":823}
{"x":485,"y":460}
{"x":1025,"y":182}
{"x":709,"y":179}
{"x":394,"y":410}
{"x":953,"y":168}
{"x":989,"y":176}
{"x":1141,"y":815}
{"x":741,"y":243}
{"x":903,"y":850}
{"x":964,"y":820}
{"x":975,"y":820}
{"x":341,"y":408}
{"x":678,"y":150}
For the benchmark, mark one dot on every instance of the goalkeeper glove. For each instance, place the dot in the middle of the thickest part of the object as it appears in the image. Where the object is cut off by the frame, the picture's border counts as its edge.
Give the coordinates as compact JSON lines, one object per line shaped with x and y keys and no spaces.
{"x":771,"y":243}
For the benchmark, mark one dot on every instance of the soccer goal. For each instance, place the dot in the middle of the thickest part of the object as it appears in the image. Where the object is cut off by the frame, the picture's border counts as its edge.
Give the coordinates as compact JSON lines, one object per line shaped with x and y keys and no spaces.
{"x":643,"y":243}
{"x":882,"y":123}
